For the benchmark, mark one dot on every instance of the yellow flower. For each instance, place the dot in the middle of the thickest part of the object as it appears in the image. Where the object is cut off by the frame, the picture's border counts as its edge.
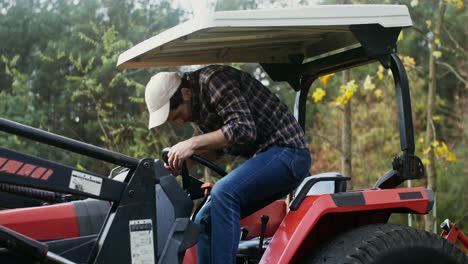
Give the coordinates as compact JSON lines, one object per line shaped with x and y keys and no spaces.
{"x":407,"y":60}
{"x":451,"y":156}
{"x":325,"y":78}
{"x":378,"y":93}
{"x":318,"y":94}
{"x":426,"y":150}
{"x":437,"y":54}
{"x":347,"y":91}
{"x":339,"y":101}
{"x":351,"y":85}
{"x":441,"y":150}
{"x":429,"y":23}
{"x":437,"y":41}
{"x":401,"y":36}
{"x":444,"y":147}
{"x":437,"y":118}
{"x":426,"y":161}
{"x":380,"y":72}
{"x":348,"y":94}
{"x":460,"y":4}
{"x":368,"y":85}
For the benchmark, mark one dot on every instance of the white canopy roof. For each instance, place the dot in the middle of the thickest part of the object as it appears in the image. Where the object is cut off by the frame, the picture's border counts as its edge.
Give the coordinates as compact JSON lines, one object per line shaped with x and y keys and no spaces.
{"x":267,"y":36}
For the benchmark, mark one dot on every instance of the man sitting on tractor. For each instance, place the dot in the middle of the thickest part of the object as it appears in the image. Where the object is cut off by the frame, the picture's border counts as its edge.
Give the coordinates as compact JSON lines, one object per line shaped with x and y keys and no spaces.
{"x":239,"y":116}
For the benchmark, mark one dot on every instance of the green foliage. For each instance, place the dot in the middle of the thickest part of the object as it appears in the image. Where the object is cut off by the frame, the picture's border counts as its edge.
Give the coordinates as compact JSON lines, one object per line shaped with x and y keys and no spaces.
{"x":451,"y":194}
{"x":67,"y":82}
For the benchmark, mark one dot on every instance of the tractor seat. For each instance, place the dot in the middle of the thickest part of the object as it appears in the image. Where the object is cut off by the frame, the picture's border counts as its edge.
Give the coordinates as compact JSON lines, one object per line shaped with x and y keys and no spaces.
{"x":324,"y":187}
{"x":249,"y":247}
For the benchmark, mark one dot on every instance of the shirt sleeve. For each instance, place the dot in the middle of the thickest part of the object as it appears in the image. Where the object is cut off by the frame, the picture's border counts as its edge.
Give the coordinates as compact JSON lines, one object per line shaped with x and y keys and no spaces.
{"x":226,"y":97}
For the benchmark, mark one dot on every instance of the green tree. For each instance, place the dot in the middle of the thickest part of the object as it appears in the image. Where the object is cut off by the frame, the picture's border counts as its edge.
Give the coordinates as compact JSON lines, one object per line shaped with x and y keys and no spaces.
{"x":67,"y":56}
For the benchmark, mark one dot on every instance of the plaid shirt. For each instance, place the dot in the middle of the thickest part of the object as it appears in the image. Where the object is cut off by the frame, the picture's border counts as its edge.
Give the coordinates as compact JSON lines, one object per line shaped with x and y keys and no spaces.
{"x":250,"y":116}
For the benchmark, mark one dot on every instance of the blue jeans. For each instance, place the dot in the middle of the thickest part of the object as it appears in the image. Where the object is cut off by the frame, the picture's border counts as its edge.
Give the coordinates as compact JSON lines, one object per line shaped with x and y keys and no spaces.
{"x":268,"y":176}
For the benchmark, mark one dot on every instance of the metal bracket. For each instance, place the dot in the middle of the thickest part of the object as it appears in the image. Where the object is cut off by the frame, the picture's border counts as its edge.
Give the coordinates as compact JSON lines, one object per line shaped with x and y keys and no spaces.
{"x":303,"y":193}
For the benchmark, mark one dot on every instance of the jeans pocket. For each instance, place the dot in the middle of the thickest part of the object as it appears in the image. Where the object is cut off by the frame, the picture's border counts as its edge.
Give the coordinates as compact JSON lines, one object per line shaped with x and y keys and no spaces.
{"x":300,"y":164}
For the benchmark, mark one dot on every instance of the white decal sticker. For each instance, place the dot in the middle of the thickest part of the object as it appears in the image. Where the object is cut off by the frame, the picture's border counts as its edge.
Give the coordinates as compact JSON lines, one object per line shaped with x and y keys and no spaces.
{"x":141,"y":241}
{"x":85,"y":183}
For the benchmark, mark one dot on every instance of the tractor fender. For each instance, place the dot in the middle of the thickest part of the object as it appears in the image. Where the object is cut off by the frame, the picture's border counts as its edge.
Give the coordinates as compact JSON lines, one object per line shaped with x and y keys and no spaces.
{"x":320,"y":217}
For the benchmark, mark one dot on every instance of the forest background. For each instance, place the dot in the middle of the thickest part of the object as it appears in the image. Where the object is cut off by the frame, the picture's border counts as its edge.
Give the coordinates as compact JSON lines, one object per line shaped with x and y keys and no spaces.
{"x":57,"y":73}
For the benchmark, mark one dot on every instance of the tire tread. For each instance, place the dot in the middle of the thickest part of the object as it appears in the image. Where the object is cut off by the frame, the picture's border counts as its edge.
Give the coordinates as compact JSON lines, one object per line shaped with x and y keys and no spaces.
{"x":365,"y":245}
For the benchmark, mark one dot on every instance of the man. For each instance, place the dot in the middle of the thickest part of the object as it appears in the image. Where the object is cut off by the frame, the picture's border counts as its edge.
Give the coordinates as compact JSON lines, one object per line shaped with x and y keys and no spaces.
{"x":239,"y":116}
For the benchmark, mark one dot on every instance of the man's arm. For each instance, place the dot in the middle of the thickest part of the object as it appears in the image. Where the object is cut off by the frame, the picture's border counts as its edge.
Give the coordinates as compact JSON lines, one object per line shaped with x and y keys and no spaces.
{"x":185,"y":149}
{"x":212,"y":141}
{"x":238,"y":130}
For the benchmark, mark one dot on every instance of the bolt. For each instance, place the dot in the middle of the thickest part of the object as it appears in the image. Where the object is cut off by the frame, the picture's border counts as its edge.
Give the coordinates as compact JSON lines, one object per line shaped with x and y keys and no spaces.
{"x":146,"y":164}
{"x":131,"y":193}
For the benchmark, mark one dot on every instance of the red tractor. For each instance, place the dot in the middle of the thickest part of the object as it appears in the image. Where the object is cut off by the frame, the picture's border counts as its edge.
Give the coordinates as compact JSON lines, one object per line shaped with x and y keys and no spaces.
{"x":143,"y":215}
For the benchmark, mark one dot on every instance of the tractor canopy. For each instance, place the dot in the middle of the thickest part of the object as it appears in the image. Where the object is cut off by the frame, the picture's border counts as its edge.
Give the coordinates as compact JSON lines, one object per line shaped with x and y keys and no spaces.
{"x":295,"y":45}
{"x":269,"y":36}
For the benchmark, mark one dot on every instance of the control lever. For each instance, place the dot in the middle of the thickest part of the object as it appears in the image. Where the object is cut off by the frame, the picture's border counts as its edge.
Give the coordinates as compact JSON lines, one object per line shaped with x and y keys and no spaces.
{"x":264,"y":219}
{"x":24,"y":245}
{"x":164,"y":154}
{"x":244,"y":233}
{"x":21,"y":244}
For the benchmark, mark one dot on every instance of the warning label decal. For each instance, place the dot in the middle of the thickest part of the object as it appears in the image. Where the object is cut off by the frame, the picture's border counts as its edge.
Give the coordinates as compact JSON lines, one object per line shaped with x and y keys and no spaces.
{"x":85,"y":183}
{"x":141,"y":241}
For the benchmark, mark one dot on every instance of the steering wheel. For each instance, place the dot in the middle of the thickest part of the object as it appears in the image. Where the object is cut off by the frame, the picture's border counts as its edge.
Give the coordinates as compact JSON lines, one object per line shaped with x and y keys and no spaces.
{"x":190,"y":184}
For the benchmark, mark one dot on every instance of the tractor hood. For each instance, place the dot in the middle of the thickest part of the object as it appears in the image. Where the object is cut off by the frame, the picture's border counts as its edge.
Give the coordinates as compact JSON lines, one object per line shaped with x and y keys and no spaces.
{"x":262,"y":36}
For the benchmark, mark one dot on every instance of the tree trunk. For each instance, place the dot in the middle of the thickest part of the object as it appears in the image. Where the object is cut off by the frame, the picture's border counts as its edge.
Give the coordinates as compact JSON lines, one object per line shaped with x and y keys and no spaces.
{"x":430,"y":220}
{"x":346,"y":133}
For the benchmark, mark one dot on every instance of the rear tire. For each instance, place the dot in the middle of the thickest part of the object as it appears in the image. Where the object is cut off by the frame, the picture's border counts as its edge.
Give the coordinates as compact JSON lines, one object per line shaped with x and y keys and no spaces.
{"x":387,"y":244}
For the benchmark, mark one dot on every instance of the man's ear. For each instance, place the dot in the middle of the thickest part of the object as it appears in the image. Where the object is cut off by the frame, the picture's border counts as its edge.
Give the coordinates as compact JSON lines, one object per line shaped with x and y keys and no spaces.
{"x":186,"y":94}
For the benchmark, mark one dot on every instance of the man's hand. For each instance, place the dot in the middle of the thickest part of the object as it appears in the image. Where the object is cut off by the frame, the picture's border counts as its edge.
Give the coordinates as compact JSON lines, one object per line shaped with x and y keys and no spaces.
{"x":206,"y":154}
{"x":178,"y":154}
{"x":173,"y":172}
{"x":183,"y":150}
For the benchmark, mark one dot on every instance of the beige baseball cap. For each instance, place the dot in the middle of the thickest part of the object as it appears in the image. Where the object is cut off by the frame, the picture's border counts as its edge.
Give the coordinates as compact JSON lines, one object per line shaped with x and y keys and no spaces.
{"x":158,"y":92}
